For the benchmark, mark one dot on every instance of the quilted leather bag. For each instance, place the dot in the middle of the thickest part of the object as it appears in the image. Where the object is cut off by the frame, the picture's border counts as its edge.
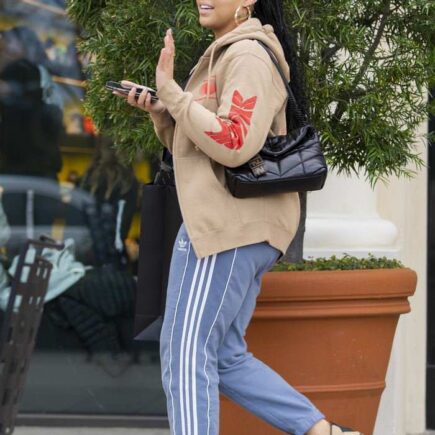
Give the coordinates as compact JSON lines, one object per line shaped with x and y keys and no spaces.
{"x":288,"y":163}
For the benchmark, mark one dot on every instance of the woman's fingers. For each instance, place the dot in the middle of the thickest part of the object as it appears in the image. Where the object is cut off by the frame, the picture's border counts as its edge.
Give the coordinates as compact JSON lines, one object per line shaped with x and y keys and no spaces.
{"x":160,"y":61}
{"x":167,"y":53}
{"x":165,"y":60}
{"x":129,"y":84}
{"x":171,"y":41}
{"x":165,"y":65}
{"x":132,"y":96}
{"x":169,"y":49}
{"x":119,"y":94}
{"x":142,"y":98}
{"x":148,"y":102}
{"x":143,"y":102}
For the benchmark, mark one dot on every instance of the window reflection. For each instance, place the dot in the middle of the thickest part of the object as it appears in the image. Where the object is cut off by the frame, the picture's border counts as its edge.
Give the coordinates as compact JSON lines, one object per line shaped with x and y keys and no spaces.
{"x":60,"y":178}
{"x":31,"y":108}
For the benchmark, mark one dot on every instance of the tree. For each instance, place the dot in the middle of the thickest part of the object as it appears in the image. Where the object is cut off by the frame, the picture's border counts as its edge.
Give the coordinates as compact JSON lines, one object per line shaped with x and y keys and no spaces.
{"x":124,"y":40}
{"x":368,"y":65}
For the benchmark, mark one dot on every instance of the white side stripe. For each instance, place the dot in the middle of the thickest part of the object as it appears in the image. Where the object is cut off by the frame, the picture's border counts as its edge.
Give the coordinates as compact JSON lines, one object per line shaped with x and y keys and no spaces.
{"x":186,"y":316}
{"x":195,"y":341}
{"x":189,"y":339}
{"x":172,"y":335}
{"x":206,"y":341}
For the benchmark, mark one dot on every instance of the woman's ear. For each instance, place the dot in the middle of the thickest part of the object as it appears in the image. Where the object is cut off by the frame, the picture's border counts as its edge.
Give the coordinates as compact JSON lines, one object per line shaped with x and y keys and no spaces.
{"x":249,"y":2}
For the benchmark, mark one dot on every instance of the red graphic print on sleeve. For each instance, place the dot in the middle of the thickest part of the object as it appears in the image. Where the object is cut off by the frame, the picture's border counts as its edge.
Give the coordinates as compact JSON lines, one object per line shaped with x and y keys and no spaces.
{"x":235,"y":128}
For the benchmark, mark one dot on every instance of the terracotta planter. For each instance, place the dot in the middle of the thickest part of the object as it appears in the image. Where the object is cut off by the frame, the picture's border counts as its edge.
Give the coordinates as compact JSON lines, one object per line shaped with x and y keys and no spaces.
{"x":329,"y":334}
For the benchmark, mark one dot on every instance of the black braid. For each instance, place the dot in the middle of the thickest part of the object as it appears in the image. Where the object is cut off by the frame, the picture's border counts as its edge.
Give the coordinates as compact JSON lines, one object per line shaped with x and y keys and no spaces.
{"x":272,"y":12}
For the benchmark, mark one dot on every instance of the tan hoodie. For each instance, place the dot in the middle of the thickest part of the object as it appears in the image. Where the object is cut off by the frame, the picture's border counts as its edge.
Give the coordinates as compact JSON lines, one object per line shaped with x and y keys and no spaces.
{"x":233,"y":100}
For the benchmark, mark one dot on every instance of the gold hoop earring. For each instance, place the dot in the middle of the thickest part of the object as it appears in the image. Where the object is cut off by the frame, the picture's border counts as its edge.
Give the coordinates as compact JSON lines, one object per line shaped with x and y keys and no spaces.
{"x":237,"y":17}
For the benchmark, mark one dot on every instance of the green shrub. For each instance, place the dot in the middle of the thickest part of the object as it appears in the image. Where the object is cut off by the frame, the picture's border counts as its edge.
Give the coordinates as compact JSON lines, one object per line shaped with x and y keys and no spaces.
{"x":347,"y":262}
{"x":124,"y":40}
{"x":368,"y":65}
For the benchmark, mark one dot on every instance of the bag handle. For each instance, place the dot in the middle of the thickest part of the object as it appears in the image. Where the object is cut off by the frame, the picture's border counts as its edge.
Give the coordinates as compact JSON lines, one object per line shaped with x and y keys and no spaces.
{"x":295,"y":110}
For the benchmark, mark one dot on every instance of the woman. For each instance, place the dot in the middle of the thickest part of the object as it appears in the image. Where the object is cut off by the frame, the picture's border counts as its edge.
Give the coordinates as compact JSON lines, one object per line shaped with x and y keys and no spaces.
{"x":115,"y":188}
{"x":234,"y":98}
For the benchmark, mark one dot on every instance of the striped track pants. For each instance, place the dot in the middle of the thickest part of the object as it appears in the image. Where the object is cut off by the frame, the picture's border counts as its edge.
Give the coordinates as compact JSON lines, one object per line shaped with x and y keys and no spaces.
{"x":209,"y":304}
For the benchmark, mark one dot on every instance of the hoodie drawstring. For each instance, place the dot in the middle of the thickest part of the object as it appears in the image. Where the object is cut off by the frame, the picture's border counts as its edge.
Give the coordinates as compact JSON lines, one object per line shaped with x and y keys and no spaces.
{"x":250,"y":29}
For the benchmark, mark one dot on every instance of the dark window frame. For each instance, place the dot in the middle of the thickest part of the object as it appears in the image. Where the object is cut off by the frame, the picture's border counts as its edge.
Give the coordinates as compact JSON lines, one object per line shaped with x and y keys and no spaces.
{"x":430,"y":363}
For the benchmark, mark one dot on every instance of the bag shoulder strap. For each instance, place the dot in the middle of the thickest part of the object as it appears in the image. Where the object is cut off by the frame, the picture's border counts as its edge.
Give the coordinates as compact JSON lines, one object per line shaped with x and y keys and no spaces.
{"x":295,"y":110}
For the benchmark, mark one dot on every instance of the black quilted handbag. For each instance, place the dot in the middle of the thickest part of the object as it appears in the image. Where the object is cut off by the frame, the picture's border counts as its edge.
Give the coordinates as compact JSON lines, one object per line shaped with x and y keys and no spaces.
{"x":287,"y":163}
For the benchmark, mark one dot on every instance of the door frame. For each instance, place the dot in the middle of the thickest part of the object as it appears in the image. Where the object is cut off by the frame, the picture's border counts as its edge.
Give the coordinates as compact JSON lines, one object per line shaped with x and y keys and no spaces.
{"x":430,"y":362}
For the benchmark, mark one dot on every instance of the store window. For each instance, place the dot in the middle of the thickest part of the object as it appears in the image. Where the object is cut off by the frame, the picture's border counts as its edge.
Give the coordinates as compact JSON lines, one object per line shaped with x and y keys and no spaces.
{"x":59,"y":177}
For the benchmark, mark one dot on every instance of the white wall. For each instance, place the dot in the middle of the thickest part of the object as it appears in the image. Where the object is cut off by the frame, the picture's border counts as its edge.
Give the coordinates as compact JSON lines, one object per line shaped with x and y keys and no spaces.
{"x":404,"y":202}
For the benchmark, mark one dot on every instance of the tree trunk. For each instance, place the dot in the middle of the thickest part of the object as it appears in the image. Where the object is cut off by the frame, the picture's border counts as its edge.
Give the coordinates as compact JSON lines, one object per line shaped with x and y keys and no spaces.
{"x":295,"y":251}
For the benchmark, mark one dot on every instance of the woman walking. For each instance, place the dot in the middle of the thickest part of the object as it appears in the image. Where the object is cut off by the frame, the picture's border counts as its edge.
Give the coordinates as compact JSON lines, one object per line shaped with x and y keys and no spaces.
{"x":233,"y":100}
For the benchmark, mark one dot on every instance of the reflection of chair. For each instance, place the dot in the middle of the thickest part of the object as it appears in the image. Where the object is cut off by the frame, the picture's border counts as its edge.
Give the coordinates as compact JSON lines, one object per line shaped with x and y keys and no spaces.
{"x":20,"y":327}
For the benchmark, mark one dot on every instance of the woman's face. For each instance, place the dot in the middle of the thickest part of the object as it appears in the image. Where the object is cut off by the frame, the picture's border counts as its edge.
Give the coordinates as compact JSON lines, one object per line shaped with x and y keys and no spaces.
{"x":220,"y":18}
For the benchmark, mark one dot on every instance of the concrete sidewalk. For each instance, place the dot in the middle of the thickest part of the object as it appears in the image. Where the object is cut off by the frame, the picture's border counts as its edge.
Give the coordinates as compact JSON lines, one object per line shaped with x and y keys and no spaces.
{"x":21,"y":430}
{"x":106,"y":431}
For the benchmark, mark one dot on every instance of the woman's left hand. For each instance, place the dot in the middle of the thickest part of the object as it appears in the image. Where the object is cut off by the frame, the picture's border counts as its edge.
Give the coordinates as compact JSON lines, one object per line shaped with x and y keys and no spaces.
{"x":165,"y":66}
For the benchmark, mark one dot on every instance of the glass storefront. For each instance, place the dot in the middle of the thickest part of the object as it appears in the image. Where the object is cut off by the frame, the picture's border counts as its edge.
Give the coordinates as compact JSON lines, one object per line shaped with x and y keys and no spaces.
{"x":59,"y":177}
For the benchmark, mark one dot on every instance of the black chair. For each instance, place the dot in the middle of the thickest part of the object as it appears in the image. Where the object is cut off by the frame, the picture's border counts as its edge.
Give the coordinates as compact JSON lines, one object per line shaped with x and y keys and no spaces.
{"x":20,"y":327}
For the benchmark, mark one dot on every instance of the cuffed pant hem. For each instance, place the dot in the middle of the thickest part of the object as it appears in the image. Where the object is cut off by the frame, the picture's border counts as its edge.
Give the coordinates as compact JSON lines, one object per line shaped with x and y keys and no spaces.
{"x":307,"y":424}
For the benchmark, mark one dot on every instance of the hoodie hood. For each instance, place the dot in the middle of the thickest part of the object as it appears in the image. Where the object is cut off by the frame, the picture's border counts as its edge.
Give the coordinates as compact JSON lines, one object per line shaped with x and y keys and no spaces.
{"x":252,"y":28}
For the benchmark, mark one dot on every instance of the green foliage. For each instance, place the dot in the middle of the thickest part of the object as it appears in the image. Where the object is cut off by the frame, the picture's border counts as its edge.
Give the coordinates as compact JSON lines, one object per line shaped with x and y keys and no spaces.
{"x":368,"y":65}
{"x":347,"y":262}
{"x":87,"y":13}
{"x":124,"y":39}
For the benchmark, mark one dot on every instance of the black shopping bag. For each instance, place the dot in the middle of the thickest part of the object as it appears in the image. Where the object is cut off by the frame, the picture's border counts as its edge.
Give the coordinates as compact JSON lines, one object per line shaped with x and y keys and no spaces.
{"x":160,"y":221}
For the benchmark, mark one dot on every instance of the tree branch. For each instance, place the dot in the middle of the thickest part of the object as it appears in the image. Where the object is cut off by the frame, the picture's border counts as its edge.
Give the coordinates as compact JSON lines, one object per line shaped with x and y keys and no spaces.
{"x":328,"y":52}
{"x":386,"y":12}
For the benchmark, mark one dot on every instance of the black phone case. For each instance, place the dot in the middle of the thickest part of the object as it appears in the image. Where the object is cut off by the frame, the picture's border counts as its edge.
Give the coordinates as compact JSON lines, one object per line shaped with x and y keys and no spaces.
{"x":116,"y":86}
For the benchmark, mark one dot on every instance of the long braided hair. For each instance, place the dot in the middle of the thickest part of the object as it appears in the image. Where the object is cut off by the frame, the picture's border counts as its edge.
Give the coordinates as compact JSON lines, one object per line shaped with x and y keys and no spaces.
{"x":272,"y":12}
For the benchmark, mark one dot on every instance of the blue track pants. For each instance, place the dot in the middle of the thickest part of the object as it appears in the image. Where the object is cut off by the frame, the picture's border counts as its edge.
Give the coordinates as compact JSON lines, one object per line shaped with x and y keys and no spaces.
{"x":209,"y":304}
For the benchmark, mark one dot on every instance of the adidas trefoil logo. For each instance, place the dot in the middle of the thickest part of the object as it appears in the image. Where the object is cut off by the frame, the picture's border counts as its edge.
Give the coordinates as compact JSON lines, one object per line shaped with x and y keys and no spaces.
{"x":182,"y":245}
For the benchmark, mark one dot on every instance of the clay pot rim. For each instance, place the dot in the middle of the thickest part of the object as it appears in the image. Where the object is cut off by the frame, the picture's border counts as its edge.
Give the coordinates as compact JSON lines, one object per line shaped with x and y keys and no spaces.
{"x":376,"y":269}
{"x":340,"y":284}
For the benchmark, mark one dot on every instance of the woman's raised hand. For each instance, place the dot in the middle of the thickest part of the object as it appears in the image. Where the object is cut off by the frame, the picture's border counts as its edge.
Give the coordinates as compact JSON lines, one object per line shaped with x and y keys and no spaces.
{"x":165,"y":66}
{"x":164,"y":72}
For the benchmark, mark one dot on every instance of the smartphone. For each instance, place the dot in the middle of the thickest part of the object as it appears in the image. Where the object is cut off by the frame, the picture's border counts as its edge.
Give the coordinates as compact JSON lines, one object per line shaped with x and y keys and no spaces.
{"x":116,"y":86}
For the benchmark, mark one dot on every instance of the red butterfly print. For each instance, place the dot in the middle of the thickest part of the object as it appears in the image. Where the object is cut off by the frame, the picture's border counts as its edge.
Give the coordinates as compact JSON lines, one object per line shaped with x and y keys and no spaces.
{"x":235,"y":128}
